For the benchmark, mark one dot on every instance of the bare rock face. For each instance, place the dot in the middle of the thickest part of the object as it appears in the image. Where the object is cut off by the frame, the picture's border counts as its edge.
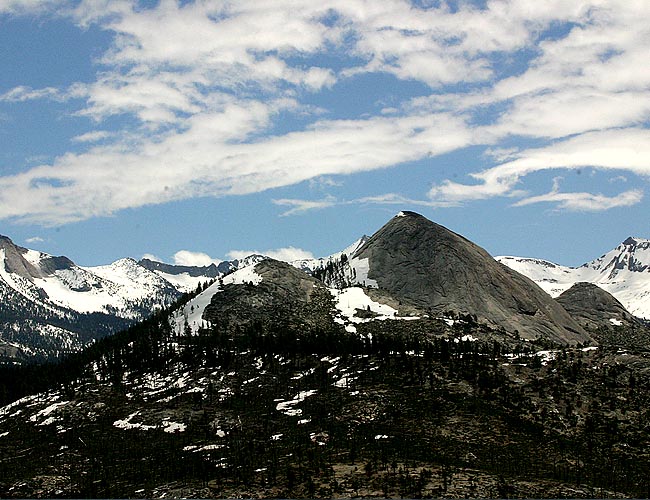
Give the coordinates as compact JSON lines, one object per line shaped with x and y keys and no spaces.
{"x":595,"y":308}
{"x":436,"y":269}
{"x":14,"y":261}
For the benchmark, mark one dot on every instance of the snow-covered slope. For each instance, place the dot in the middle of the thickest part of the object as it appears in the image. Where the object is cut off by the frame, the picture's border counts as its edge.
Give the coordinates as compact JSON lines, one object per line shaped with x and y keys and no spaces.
{"x":51,"y":306}
{"x":123,"y":288}
{"x":624,"y":272}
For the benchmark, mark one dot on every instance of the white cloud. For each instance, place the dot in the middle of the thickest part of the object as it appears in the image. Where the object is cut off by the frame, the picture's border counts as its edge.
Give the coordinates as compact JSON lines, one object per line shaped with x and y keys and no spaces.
{"x":34,"y":239}
{"x":93,"y":136}
{"x":150,"y":256}
{"x":24,"y":7}
{"x":286,"y":254}
{"x":398,"y":199}
{"x":302,"y":206}
{"x":205,"y":81}
{"x":188,"y":258}
{"x":205,"y":160}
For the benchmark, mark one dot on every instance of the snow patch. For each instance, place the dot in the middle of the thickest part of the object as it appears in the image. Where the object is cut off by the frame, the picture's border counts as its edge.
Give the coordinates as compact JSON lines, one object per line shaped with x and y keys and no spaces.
{"x":287,"y":407}
{"x":350,"y":299}
{"x":173,"y":427}
{"x":46,"y":413}
{"x":127,"y":424}
{"x":362,"y":268}
{"x":183,"y":282}
{"x":466,"y":338}
{"x":190,"y":318}
{"x":547,"y":356}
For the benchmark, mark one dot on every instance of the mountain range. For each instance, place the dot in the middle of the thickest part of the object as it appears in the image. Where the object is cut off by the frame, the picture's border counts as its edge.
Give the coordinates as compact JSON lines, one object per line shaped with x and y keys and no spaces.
{"x":413,"y":364}
{"x":51,"y":306}
{"x":623,"y":271}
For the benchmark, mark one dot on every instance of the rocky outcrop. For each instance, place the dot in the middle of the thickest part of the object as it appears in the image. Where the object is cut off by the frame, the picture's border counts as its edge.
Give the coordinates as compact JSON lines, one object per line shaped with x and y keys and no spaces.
{"x":595,"y":308}
{"x":436,"y":269}
{"x":284,"y":294}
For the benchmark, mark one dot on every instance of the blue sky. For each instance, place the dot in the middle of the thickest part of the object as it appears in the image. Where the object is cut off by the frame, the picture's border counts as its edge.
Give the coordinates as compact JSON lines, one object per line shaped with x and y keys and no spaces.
{"x":202,"y":130}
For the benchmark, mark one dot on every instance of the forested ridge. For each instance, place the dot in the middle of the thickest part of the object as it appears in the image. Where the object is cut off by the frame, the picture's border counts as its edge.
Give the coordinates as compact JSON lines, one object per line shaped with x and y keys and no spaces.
{"x":295,"y":406}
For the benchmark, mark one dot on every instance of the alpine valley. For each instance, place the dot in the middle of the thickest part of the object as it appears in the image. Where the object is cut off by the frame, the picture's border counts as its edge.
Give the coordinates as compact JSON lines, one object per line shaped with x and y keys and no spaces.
{"x":411,"y":364}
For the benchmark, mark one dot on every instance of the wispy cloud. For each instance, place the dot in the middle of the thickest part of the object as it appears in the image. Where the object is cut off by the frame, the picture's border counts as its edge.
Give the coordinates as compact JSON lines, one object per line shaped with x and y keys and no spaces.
{"x":302,"y":206}
{"x":22,"y":93}
{"x":207,"y":160}
{"x":94,"y":136}
{"x":585,"y":201}
{"x":34,"y":239}
{"x":23,"y":7}
{"x":204,"y":82}
{"x":615,"y":150}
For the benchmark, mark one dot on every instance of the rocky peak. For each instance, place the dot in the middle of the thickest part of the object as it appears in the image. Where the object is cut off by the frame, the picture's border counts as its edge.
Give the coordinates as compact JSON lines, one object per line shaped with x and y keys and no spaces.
{"x":49,"y":265}
{"x":280,"y":293}
{"x":210,"y":271}
{"x":436,"y":269}
{"x":632,"y":255}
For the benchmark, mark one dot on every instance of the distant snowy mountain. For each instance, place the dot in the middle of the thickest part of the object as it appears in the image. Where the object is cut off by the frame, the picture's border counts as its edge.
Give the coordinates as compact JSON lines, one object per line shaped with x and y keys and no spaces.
{"x":188,"y":278}
{"x":123,"y":288}
{"x":624,"y":272}
{"x":51,"y":306}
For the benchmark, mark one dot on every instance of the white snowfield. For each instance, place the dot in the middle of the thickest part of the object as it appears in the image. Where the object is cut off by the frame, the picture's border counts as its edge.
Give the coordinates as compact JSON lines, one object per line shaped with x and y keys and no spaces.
{"x":242,"y":276}
{"x":624,"y":272}
{"x":361,"y":269}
